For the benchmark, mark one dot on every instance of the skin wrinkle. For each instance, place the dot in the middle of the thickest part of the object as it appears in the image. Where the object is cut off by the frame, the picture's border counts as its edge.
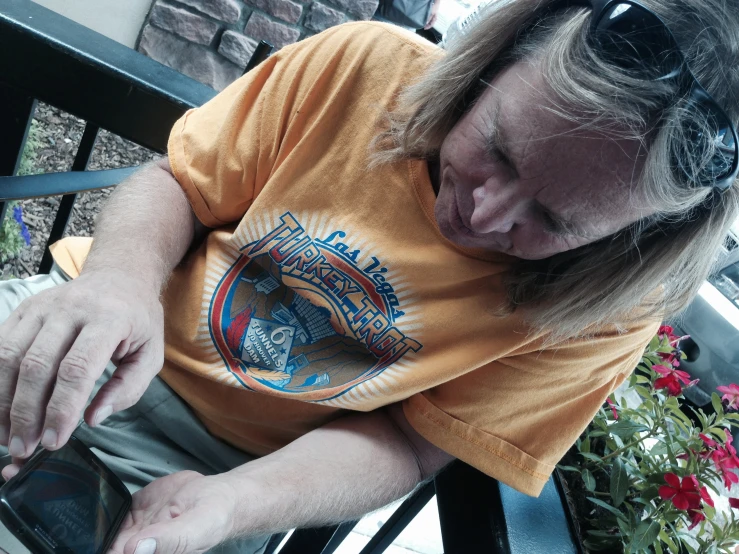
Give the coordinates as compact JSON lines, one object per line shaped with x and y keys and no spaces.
{"x":485,"y":202}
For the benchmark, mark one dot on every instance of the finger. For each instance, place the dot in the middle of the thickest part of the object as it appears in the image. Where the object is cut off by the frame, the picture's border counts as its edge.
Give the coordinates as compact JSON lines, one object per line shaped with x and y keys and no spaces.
{"x":128,"y":528}
{"x":10,"y":471}
{"x":78,"y":371}
{"x":34,"y":384}
{"x":14,"y":342}
{"x":185,"y":534}
{"x":128,"y":383}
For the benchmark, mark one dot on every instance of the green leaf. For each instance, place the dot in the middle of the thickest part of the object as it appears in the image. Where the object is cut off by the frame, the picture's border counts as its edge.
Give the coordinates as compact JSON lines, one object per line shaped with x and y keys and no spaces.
{"x":605,"y":505}
{"x":585,"y":445}
{"x":589,"y":480}
{"x":643,"y":392}
{"x":665,"y":538}
{"x":569,"y":468}
{"x":640,"y":379}
{"x":624,"y":526}
{"x":658,"y":449}
{"x":678,"y":413}
{"x":626,"y":429}
{"x":717,"y":405}
{"x":645,"y":535}
{"x":653,"y":344}
{"x":619,"y":482}
{"x":591,"y":456}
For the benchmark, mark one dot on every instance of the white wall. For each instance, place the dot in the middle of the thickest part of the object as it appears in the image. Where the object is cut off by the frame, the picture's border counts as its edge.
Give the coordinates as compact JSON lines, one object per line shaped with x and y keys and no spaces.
{"x":120,"y":20}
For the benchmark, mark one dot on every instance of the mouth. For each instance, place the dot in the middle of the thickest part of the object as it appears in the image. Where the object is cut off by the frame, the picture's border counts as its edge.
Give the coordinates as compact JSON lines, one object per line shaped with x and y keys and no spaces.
{"x":456,"y":221}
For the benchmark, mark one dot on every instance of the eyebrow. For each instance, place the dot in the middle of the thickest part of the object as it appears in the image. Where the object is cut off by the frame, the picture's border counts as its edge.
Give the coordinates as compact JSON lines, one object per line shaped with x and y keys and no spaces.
{"x":495,"y":141}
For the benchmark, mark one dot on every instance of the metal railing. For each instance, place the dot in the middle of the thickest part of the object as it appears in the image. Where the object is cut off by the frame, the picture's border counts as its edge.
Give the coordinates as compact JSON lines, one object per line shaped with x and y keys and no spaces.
{"x":46,"y":57}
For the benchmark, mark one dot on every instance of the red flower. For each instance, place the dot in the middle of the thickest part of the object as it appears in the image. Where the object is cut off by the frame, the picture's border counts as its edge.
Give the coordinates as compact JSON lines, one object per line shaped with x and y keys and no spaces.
{"x":703,"y":454}
{"x":671,"y":379}
{"x":709,"y":442}
{"x":696,"y":516}
{"x":734,"y":503}
{"x":613,"y":408}
{"x":668,"y":331}
{"x":731,"y":395}
{"x":725,"y":460}
{"x":684,"y":495}
{"x":672,"y":358}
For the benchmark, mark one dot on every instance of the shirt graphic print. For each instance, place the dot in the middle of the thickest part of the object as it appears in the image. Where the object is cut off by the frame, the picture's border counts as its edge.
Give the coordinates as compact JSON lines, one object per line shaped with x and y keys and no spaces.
{"x":300,"y":311}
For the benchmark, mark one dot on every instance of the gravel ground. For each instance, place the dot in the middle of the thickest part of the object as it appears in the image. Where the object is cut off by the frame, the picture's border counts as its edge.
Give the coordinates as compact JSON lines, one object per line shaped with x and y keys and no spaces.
{"x":59,"y":134}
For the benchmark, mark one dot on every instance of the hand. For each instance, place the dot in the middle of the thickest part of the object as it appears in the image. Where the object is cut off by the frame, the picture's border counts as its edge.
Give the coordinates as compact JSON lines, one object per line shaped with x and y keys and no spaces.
{"x":183,"y":513}
{"x":55,"y":346}
{"x":433,"y":15}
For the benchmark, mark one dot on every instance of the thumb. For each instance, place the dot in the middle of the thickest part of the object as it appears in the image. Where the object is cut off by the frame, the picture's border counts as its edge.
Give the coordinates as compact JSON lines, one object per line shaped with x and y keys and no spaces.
{"x":181,"y":535}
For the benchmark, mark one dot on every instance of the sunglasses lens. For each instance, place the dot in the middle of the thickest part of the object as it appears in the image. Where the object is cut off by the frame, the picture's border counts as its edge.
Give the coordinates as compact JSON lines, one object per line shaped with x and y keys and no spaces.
{"x":713,"y":152}
{"x":635,"y":39}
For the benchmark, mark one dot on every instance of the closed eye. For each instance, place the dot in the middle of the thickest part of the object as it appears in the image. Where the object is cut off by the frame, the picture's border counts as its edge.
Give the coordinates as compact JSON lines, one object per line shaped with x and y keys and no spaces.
{"x":561,"y":227}
{"x":554,"y":226}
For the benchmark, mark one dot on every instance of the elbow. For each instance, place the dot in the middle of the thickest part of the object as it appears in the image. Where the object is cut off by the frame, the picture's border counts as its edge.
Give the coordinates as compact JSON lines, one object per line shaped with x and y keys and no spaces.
{"x":429,"y":458}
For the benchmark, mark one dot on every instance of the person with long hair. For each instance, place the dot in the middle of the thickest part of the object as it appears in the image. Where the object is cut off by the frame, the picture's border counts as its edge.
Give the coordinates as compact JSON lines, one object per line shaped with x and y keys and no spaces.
{"x":369,"y":256}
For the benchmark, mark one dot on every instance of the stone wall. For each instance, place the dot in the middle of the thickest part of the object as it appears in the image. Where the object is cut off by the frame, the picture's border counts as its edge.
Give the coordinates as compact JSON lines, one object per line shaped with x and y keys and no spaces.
{"x":212,"y":40}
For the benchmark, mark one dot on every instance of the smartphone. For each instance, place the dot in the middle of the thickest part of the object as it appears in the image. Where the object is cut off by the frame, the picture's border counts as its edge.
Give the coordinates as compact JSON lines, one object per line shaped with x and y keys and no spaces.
{"x":65,"y":502}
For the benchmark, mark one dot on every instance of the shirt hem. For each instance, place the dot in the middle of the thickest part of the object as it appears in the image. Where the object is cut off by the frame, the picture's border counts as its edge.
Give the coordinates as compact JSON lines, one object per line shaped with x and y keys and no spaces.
{"x":507,"y":464}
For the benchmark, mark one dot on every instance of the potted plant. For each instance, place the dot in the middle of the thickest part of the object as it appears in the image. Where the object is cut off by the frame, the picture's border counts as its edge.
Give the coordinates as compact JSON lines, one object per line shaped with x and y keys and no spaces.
{"x":651,"y":474}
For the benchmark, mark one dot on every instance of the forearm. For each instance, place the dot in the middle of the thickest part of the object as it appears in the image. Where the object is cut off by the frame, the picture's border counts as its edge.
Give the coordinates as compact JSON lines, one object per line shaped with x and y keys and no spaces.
{"x":148,"y":219}
{"x":336,"y":473}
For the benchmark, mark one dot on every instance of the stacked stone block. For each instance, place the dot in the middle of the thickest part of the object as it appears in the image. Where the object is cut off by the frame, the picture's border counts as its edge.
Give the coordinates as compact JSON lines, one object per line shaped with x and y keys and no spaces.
{"x":212,"y":40}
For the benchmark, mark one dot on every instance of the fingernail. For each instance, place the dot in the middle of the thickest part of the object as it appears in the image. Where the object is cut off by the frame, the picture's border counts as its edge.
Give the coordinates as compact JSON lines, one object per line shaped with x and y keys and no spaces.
{"x":101,"y":414}
{"x":146,"y":546}
{"x":49,"y":439}
{"x":10,"y":471}
{"x":17,"y":448}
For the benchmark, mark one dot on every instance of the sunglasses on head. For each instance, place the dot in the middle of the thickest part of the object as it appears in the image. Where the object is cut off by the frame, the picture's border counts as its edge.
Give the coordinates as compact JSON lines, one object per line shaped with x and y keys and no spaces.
{"x":636,"y":39}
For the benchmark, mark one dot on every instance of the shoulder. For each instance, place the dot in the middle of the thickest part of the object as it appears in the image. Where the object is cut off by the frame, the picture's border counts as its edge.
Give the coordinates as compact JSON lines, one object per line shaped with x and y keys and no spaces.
{"x":366,"y":44}
{"x":376,"y":37}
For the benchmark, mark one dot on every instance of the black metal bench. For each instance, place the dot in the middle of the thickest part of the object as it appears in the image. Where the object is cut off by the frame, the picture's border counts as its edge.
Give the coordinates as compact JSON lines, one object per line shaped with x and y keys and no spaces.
{"x":46,"y":57}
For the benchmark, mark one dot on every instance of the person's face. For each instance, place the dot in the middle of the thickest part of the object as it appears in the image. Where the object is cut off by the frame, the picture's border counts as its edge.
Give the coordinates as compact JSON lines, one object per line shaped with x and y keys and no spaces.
{"x":516,"y":178}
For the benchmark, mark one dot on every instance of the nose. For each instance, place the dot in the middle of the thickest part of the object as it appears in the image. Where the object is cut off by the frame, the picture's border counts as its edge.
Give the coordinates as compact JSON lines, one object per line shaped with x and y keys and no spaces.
{"x":498,"y":208}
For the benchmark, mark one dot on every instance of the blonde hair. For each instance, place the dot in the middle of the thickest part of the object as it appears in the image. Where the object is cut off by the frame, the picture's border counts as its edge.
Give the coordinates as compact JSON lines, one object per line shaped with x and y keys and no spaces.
{"x":614,"y":279}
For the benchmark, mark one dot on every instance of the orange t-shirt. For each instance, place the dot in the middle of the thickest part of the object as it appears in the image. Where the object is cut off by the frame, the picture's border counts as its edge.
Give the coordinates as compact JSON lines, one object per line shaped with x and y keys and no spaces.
{"x":325,"y":286}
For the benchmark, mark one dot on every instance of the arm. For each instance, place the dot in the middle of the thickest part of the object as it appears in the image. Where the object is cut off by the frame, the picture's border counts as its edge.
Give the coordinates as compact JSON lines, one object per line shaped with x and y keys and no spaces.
{"x":62,"y":338}
{"x":133,"y":226}
{"x":336,"y":473}
{"x":433,"y":15}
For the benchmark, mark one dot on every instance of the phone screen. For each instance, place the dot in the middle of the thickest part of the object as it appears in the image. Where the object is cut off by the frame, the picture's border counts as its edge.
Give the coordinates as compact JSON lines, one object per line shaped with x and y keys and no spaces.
{"x":68,"y":503}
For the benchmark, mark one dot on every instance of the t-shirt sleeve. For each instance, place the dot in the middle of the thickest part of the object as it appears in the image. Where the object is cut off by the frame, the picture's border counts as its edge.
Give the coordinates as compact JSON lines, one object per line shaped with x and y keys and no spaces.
{"x":224,"y":153}
{"x":515,"y":418}
{"x":221,"y":151}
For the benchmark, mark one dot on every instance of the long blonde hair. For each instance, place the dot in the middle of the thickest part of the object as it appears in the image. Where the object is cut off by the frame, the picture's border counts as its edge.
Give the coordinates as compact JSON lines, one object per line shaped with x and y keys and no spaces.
{"x":612,"y":280}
